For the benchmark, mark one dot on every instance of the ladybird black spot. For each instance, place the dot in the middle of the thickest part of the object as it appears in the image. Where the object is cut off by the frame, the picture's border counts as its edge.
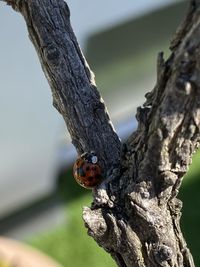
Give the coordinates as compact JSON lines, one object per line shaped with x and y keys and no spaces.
{"x":87,"y":168}
{"x":98,"y":176}
{"x":81,"y":172}
{"x":94,"y":168}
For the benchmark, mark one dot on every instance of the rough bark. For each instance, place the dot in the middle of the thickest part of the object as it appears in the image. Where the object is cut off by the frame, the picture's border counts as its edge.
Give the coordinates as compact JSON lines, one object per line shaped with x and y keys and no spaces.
{"x":135,"y":215}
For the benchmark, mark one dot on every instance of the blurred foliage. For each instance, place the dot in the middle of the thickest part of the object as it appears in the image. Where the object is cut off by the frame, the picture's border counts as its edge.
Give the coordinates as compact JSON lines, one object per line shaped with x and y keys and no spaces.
{"x":4,"y":263}
{"x":67,"y":186}
{"x":127,"y":72}
{"x":70,"y":243}
{"x":134,"y":36}
{"x":189,"y":194}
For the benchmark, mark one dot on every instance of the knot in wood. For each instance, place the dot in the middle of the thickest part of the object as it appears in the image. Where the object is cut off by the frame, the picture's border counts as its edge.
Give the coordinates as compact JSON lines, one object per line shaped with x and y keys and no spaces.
{"x":161,"y":253}
{"x":52,"y":55}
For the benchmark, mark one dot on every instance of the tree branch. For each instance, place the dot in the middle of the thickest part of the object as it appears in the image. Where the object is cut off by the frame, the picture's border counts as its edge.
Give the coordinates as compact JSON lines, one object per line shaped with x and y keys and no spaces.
{"x":136,"y":216}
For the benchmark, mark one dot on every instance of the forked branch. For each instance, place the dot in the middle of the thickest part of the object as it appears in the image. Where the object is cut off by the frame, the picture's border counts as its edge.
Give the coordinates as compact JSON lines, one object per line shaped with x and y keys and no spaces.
{"x":136,"y":216}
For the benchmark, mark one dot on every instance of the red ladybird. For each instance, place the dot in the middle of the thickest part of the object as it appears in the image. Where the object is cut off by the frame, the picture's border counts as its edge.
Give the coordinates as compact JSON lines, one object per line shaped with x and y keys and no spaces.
{"x":87,"y":171}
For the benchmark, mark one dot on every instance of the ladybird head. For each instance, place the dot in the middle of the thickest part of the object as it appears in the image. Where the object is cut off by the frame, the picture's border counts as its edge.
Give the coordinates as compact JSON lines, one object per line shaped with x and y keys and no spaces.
{"x":90,"y":157}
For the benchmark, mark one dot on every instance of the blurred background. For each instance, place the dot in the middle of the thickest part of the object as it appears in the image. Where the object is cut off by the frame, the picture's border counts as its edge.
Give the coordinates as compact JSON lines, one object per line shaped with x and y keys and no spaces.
{"x":40,"y":203}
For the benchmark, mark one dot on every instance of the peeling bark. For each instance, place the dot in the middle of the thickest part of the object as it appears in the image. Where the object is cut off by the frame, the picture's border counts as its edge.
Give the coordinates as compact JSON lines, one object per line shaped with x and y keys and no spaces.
{"x":135,"y":215}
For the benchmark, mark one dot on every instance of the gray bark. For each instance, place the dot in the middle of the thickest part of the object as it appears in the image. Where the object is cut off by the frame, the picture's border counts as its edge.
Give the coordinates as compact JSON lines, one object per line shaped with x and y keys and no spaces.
{"x":135,"y":215}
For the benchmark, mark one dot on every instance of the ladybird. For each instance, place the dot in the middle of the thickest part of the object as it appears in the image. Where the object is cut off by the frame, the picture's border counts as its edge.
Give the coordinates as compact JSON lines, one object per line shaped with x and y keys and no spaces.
{"x":87,"y":171}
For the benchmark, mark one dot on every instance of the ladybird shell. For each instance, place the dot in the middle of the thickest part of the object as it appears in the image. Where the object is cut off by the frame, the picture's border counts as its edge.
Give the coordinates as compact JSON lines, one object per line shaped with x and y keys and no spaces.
{"x":87,"y":174}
